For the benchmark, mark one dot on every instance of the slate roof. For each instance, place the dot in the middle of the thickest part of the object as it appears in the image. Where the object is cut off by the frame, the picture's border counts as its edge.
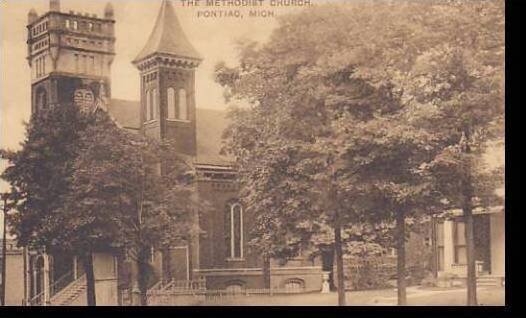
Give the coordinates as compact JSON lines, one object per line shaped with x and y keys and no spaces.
{"x":168,"y":37}
{"x":210,"y":126}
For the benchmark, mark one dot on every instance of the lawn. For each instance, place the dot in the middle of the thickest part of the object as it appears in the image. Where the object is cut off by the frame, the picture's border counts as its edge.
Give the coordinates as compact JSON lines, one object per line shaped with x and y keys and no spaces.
{"x":415,"y":295}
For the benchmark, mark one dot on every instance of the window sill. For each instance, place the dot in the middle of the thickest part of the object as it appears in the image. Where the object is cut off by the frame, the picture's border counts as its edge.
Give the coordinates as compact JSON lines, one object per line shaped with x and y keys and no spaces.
{"x":152,"y":121}
{"x":177,"y":120}
{"x":242,"y":259}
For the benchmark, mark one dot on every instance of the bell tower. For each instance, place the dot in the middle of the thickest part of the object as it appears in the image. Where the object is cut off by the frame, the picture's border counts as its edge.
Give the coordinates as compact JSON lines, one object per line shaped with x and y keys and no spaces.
{"x":70,"y":55}
{"x":167,"y":65}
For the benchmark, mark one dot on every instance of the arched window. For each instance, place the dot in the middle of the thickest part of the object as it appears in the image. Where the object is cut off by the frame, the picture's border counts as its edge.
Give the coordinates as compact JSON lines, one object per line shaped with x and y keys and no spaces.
{"x":183,"y":107}
{"x":234,"y":288}
{"x":234,"y":230}
{"x":294,"y":284}
{"x":155,"y":104}
{"x":170,"y":93}
{"x":41,"y":99}
{"x":148,"y":105}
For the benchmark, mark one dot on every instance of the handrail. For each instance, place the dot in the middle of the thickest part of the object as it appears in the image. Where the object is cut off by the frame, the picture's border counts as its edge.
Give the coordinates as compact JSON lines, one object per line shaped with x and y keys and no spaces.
{"x":37,"y":299}
{"x":61,"y":283}
{"x":63,"y":290}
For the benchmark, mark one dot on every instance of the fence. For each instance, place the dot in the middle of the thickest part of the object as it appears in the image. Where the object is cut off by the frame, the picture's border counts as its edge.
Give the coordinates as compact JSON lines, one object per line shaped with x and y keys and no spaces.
{"x":195,"y":293}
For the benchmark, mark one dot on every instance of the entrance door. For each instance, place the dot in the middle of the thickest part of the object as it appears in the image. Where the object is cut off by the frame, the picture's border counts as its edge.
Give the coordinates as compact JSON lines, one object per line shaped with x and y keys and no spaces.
{"x":178,"y":263}
{"x":481,"y":235}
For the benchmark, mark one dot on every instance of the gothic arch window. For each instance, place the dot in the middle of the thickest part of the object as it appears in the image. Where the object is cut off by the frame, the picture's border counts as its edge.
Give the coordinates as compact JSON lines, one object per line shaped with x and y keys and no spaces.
{"x":170,"y":95}
{"x":234,"y":231}
{"x":183,"y":105}
{"x":149,"y":114}
{"x":155,"y":104}
{"x":41,"y":99}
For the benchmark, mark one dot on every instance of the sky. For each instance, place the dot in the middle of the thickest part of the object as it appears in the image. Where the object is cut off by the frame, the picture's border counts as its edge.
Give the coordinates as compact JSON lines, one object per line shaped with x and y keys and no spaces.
{"x":213,"y":37}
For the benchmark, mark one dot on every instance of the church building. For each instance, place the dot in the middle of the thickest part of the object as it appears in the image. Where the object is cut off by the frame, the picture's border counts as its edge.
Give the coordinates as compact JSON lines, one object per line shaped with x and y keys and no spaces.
{"x":70,"y":56}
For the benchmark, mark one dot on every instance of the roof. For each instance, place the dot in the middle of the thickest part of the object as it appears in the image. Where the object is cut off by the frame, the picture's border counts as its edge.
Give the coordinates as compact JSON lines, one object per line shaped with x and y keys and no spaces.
{"x":168,"y":37}
{"x":126,"y":112}
{"x":210,"y":126}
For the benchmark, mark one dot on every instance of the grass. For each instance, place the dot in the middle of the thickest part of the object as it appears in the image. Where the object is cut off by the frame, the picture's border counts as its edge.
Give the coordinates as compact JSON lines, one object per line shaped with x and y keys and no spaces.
{"x":416,"y":296}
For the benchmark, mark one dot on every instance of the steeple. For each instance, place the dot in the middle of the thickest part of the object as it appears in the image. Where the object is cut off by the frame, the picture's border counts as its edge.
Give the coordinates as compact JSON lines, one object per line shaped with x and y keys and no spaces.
{"x":167,"y":37}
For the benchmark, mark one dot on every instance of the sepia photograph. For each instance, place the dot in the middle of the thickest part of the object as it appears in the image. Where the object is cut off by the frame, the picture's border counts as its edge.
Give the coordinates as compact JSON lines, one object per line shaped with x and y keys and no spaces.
{"x":252,"y":153}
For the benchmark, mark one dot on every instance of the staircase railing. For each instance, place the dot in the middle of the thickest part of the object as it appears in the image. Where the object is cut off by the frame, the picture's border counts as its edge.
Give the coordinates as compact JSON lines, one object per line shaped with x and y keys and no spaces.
{"x":61,"y":283}
{"x":37,"y":300}
{"x":65,"y":288}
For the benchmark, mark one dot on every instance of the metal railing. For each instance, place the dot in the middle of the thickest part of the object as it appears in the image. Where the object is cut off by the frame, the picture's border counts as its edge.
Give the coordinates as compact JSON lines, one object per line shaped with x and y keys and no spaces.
{"x":178,"y":285}
{"x":37,"y":300}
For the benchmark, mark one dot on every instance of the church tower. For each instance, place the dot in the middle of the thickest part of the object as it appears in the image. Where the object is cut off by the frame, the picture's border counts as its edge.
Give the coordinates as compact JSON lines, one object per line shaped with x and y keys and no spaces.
{"x":167,"y":65}
{"x":70,"y":55}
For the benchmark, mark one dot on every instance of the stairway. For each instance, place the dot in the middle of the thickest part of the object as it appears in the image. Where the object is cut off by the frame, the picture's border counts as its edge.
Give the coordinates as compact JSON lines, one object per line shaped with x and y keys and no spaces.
{"x":486,"y":280}
{"x":70,"y":293}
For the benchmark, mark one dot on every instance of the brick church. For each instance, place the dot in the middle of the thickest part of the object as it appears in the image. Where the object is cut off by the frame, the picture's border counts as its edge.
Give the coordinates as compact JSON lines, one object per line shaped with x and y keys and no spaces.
{"x":70,"y":55}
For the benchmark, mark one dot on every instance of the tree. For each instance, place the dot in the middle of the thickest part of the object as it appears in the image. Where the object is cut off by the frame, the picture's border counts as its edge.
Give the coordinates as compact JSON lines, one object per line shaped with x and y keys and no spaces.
{"x":293,"y":143}
{"x":350,"y":110}
{"x":131,"y":191}
{"x":81,"y":184}
{"x":39,"y":175}
{"x":463,"y":85}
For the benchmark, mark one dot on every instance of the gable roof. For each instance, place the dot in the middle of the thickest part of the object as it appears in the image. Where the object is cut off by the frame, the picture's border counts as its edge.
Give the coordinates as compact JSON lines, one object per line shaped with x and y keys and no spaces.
{"x":210,"y":126}
{"x":167,"y":37}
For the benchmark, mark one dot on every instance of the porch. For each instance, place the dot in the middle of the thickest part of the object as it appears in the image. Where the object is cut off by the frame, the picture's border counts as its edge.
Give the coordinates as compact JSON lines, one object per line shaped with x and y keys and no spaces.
{"x":450,"y":247}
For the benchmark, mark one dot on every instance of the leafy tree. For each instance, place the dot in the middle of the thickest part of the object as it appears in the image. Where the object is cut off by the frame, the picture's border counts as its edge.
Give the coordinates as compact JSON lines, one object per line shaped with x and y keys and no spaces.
{"x":40,"y":178}
{"x":337,"y":130}
{"x":119,"y":195}
{"x":81,"y":184}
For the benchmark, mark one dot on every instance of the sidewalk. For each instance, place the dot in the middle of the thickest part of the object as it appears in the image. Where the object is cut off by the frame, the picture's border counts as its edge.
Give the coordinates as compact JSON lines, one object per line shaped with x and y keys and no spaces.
{"x":420,"y":296}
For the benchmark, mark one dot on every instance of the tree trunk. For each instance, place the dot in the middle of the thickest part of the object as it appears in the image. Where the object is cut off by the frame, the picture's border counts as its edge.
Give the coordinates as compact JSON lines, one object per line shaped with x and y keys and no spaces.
{"x":4,"y":253}
{"x":87,"y":262}
{"x":143,"y":274}
{"x":339,"y":260}
{"x":467,"y":210}
{"x":400,"y":258}
{"x":266,"y":271}
{"x":470,"y":251}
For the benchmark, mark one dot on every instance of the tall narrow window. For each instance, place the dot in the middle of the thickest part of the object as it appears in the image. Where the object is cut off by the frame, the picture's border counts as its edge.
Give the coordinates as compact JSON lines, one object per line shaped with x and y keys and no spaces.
{"x":41,"y":99}
{"x":170,"y":96}
{"x":148,"y":105}
{"x":84,"y":64}
{"x":440,"y":245}
{"x":75,"y":25}
{"x":77,"y":68}
{"x":460,"y":242}
{"x":92,"y":64}
{"x":155,"y":104}
{"x":68,"y":24}
{"x":183,"y":107}
{"x":234,"y":230}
